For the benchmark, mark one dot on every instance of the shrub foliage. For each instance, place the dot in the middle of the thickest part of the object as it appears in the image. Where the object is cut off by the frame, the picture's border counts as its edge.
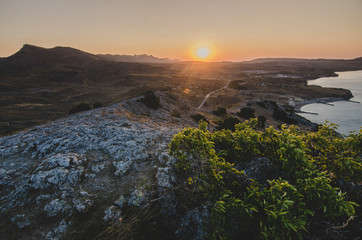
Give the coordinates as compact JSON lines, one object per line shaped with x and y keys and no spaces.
{"x":228,"y":123}
{"x":220,"y":111}
{"x":198,"y":116}
{"x":314,"y":164}
{"x":151,"y":100}
{"x":79,"y":108}
{"x":246,"y":112}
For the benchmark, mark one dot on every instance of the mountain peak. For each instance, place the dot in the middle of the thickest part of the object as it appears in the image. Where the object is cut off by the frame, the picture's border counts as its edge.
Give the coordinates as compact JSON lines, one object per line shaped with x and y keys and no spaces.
{"x":30,"y":48}
{"x":26,"y":45}
{"x":30,"y":56}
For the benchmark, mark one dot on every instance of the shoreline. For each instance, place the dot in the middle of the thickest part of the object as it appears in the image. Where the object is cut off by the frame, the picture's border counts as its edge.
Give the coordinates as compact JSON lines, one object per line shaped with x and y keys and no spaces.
{"x":326,"y":100}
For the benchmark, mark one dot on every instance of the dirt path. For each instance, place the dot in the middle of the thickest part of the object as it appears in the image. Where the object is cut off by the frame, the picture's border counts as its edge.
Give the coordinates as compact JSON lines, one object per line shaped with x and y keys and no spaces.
{"x":208,"y":95}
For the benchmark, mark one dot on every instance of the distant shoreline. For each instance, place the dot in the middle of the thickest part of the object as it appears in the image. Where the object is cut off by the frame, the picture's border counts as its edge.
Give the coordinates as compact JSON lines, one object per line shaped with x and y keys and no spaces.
{"x":326,"y":100}
{"x":342,"y":107}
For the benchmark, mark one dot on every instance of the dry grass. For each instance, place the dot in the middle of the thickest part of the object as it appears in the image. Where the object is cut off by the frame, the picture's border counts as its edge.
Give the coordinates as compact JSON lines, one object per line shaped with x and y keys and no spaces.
{"x":139,"y":223}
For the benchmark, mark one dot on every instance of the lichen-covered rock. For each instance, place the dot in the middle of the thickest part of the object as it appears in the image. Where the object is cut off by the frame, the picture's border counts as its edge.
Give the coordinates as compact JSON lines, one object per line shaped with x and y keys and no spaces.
{"x":120,"y":202}
{"x":58,"y":232}
{"x":192,"y":224}
{"x":165,"y":178}
{"x":97,"y":168}
{"x":20,"y":221}
{"x":4,"y":177}
{"x":112,"y":214}
{"x":82,"y":171}
{"x":82,"y":205}
{"x":57,"y":171}
{"x":56,"y":207}
{"x":138,"y":198}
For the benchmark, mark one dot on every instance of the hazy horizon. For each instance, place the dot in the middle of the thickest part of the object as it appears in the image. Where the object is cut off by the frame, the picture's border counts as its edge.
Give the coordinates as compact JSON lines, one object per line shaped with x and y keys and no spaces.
{"x":188,"y":60}
{"x":231,"y":31}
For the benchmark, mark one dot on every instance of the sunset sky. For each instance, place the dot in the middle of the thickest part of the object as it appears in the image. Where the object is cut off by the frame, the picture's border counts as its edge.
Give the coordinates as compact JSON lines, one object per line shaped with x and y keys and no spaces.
{"x":231,"y":29}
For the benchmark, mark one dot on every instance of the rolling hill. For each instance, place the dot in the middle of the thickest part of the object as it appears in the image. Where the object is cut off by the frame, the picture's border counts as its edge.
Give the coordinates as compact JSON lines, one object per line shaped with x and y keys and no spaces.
{"x":42,"y":84}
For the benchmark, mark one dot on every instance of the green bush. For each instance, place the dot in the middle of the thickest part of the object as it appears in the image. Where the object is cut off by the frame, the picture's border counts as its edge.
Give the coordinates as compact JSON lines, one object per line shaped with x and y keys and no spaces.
{"x":198,"y":117}
{"x":284,"y":208}
{"x":238,"y":85}
{"x":246,"y":112}
{"x":79,"y":108}
{"x":228,"y":123}
{"x":150,"y":100}
{"x":281,"y":115}
{"x":97,"y":105}
{"x":219,"y":112}
{"x":262,"y":104}
{"x":339,"y":157}
{"x":261,"y":121}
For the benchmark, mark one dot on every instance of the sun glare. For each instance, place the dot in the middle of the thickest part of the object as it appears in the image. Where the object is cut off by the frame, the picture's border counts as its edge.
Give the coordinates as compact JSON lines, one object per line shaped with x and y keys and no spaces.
{"x":203,"y":52}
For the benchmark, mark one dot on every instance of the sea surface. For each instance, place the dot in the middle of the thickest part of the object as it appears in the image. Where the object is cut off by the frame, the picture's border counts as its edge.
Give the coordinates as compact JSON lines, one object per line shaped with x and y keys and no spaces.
{"x":347,"y":114}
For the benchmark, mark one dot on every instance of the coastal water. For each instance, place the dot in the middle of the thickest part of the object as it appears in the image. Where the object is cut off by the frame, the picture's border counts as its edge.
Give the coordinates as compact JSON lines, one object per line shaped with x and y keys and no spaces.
{"x":347,"y":114}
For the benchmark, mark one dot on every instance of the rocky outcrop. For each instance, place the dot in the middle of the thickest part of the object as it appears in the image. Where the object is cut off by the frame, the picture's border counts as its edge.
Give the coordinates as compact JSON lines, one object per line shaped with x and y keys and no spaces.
{"x":79,"y":177}
{"x":74,"y":177}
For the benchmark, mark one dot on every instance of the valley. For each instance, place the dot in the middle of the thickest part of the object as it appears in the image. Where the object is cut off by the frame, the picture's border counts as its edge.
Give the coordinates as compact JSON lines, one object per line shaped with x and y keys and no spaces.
{"x":40,"y":85}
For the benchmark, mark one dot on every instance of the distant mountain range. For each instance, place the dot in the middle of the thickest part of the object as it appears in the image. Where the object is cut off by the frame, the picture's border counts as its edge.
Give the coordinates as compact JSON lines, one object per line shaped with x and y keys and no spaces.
{"x":299,"y":60}
{"x":136,"y":58}
{"x":29,"y":56}
{"x":28,"y":53}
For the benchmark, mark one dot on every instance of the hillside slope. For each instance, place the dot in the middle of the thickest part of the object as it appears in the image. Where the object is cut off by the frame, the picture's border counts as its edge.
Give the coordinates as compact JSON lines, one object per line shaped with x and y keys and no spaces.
{"x":38,"y":84}
{"x":71,"y":178}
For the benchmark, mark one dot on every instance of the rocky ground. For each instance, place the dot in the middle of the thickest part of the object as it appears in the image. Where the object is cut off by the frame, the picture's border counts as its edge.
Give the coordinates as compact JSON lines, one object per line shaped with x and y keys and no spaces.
{"x":73,"y":177}
{"x":106,"y":173}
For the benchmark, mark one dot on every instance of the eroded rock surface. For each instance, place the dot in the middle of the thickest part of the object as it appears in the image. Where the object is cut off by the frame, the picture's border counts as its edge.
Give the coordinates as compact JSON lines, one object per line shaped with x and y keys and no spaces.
{"x":72,"y":177}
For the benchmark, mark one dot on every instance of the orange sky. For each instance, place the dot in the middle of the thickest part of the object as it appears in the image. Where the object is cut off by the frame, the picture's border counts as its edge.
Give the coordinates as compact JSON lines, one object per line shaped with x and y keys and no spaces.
{"x":235,"y":29}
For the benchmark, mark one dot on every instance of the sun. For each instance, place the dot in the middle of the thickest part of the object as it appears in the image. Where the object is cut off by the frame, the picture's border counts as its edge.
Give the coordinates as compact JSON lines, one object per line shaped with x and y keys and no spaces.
{"x":203,"y":52}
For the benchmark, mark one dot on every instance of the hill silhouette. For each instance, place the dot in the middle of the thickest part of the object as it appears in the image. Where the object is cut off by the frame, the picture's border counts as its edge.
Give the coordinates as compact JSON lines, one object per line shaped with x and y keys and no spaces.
{"x":30,"y":56}
{"x":136,"y":58}
{"x":39,"y":84}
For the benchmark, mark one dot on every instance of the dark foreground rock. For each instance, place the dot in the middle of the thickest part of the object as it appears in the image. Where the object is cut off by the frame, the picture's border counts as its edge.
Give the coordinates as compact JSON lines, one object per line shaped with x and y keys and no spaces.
{"x":73,"y":178}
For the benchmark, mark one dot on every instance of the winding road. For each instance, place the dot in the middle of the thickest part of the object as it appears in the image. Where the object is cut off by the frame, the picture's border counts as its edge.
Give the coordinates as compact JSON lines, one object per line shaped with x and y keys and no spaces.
{"x":208,"y":95}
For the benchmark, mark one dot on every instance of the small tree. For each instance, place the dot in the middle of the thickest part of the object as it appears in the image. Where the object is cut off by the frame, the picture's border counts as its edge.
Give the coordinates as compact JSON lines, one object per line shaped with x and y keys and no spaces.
{"x":261,"y":121}
{"x":228,"y":123}
{"x":97,"y":105}
{"x":197,"y":117}
{"x":150,"y":100}
{"x":281,"y":115}
{"x":79,"y":108}
{"x":246,"y":112}
{"x":220,"y":111}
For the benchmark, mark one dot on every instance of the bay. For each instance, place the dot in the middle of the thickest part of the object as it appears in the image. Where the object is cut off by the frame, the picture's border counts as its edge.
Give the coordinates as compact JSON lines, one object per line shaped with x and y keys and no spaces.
{"x":347,"y":114}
